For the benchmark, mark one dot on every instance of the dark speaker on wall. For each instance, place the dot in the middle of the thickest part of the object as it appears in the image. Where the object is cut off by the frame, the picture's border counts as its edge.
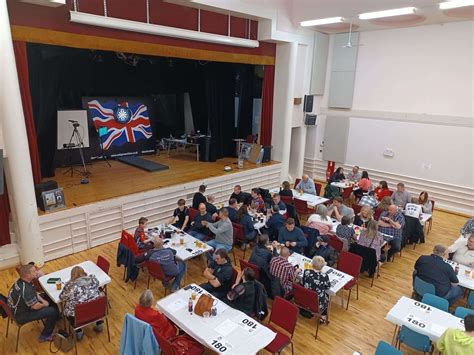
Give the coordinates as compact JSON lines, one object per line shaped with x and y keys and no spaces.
{"x":308,"y":103}
{"x":267,"y":153}
{"x":42,"y":187}
{"x":310,"y":120}
{"x":1,"y":172}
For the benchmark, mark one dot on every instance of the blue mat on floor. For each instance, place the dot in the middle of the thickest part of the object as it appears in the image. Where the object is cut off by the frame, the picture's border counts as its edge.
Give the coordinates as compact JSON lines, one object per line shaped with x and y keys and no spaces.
{"x":141,"y":163}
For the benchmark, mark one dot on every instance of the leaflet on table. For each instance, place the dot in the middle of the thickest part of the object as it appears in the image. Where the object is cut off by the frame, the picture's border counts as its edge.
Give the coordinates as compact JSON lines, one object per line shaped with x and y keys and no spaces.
{"x":226,"y":327}
{"x":176,"y":305}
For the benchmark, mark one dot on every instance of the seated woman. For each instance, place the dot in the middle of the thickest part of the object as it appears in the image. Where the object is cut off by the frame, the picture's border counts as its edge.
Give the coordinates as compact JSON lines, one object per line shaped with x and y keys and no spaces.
{"x":242,"y":217}
{"x":79,"y":289}
{"x":382,"y":190}
{"x":158,"y":321}
{"x":425,"y":203}
{"x":344,"y":231}
{"x":338,"y":175}
{"x":372,"y":238}
{"x":316,"y":280}
{"x":242,"y":294}
{"x":364,"y":185}
{"x":286,"y":189}
{"x":261,"y":255}
{"x":364,"y":216}
{"x":320,"y":220}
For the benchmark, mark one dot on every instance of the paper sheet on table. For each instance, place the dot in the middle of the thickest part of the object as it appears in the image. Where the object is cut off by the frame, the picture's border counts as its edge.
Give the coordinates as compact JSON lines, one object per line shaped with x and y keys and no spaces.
{"x":437,"y":329}
{"x":226,"y":327}
{"x":176,"y":305}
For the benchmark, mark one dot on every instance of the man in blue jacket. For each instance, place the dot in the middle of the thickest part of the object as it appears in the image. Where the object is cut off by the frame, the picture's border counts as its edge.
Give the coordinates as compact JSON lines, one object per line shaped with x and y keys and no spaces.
{"x":292,"y":237}
{"x":274,"y":223}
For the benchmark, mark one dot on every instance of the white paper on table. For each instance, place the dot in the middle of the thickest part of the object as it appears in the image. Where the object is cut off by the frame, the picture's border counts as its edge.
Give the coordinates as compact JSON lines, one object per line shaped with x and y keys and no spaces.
{"x":226,"y":327}
{"x":176,"y":305}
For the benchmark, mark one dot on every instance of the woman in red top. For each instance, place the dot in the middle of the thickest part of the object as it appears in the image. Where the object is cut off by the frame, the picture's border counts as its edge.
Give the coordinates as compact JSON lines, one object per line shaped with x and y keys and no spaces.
{"x":382,"y":190}
{"x":158,"y":321}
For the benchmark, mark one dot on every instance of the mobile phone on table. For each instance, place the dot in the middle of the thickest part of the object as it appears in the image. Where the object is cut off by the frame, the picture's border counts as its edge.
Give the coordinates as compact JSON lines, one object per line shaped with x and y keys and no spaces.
{"x":53,"y":280}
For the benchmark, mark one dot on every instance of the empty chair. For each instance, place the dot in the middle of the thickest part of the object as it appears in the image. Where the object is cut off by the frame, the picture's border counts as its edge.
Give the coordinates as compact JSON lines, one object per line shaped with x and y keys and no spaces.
{"x":244,"y":264}
{"x":421,"y":287}
{"x":414,"y":340}
{"x":309,"y":301}
{"x":350,"y":264}
{"x":284,"y":315}
{"x":461,"y":312}
{"x":384,"y":348}
{"x":435,"y":301}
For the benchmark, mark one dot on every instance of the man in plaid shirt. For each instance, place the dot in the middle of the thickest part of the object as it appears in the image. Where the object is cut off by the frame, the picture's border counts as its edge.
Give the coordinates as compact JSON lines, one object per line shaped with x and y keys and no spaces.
{"x":283,"y":270}
{"x":391,"y":222}
{"x":369,"y":200}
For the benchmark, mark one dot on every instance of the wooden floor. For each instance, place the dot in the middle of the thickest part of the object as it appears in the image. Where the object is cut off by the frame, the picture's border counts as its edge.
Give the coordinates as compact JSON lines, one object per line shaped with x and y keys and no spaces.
{"x":104,"y":180}
{"x":358,"y":329}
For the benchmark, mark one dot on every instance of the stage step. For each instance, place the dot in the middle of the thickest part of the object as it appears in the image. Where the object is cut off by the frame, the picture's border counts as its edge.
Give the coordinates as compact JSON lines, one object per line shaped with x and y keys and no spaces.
{"x":141,"y":163}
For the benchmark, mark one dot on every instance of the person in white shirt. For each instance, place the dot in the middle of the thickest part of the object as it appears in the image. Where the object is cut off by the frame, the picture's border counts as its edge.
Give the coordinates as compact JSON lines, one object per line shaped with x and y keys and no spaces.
{"x":320,"y":220}
{"x":463,"y":251}
{"x":354,"y":175}
{"x":413,"y":210}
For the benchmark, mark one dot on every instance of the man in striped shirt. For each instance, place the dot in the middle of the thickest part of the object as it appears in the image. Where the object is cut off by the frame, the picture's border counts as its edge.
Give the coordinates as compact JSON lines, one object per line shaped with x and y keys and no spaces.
{"x":284,"y":271}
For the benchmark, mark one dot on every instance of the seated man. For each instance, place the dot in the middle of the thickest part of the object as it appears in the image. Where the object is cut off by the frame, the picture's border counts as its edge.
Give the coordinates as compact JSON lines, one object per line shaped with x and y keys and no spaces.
{"x":369,"y":200}
{"x":456,"y":341}
{"x":281,"y":268}
{"x":237,"y":194}
{"x":391,"y":222}
{"x":232,"y":209}
{"x":180,"y":217}
{"x":166,"y":258}
{"x":198,"y":229}
{"x":245,"y":220}
{"x":219,"y":275}
{"x":199,"y":197}
{"x":463,"y":251}
{"x":274,"y":223}
{"x":223,"y":231}
{"x":142,"y":241}
{"x":211,"y":208}
{"x":257,"y":201}
{"x":27,"y":305}
{"x":433,"y":269}
{"x":324,"y":250}
{"x":338,"y":210}
{"x":354,"y":175}
{"x":400,"y":197}
{"x":292,"y":237}
{"x":277,"y":202}
{"x":306,"y":185}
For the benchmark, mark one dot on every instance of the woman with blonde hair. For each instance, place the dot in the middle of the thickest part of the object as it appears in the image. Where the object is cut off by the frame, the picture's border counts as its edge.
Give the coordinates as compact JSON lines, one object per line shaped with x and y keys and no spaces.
{"x":316,"y":280}
{"x":372,"y":238}
{"x":79,"y":289}
{"x":364,"y":216}
{"x":320,"y":220}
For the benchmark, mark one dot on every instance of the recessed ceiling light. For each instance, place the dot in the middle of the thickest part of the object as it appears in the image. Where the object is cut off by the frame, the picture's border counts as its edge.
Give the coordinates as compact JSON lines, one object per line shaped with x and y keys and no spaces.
{"x":456,"y":3}
{"x":387,"y":13}
{"x":323,"y":21}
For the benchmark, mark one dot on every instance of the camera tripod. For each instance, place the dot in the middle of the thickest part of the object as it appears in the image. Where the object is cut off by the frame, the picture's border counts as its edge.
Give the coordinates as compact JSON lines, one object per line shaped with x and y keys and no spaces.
{"x":75,"y":141}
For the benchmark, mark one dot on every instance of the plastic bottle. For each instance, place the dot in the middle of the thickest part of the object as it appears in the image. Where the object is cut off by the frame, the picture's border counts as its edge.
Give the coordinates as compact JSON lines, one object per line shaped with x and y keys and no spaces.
{"x":190,"y":305}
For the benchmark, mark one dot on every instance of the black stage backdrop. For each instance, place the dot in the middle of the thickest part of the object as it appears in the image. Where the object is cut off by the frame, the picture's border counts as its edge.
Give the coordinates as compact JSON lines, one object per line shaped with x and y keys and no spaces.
{"x":60,"y":77}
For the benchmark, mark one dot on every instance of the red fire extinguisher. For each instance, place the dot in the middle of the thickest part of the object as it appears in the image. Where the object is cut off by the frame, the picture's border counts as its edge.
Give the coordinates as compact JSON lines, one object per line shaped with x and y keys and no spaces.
{"x":330,"y":170}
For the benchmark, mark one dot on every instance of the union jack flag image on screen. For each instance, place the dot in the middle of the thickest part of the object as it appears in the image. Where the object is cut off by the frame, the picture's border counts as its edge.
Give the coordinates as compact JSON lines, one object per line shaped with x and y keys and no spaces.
{"x":125,"y":122}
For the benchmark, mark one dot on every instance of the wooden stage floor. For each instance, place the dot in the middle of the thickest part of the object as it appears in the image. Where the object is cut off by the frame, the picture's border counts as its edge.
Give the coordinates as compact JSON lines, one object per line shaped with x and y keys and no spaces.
{"x":104,"y":181}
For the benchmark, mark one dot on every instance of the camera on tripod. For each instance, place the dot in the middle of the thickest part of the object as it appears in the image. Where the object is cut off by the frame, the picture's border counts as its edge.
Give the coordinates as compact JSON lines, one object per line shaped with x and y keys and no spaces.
{"x":75,"y":124}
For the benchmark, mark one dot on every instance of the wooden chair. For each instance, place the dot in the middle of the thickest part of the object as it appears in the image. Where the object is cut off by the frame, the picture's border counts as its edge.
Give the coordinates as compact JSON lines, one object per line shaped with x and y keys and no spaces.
{"x":308,"y":300}
{"x":155,"y":271}
{"x":284,"y":315}
{"x":350,"y":264}
{"x":244,"y":264}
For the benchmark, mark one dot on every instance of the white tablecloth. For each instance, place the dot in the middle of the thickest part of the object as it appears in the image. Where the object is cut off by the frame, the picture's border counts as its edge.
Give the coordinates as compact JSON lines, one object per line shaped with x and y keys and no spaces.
{"x":185,"y":251}
{"x":337,"y":278}
{"x":311,"y":200}
{"x":422,"y":318}
{"x":335,"y":223}
{"x":465,"y":280}
{"x":342,"y":185}
{"x":230,"y":332}
{"x":65,"y":274}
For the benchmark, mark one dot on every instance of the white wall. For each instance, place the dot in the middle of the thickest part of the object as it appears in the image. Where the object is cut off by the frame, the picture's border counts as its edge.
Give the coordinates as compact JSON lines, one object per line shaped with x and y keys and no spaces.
{"x":414,"y":93}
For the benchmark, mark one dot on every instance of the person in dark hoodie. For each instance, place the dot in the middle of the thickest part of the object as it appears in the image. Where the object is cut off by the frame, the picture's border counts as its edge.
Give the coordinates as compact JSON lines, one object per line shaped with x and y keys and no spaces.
{"x":274,"y":222}
{"x":292,"y":237}
{"x":243,"y":218}
{"x":261,"y":256}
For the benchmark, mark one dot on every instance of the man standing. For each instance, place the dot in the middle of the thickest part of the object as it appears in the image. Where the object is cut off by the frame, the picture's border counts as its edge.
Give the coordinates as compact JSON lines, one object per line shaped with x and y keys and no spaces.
{"x":391,"y":222}
{"x":281,"y":268}
{"x":400,"y":197}
{"x":219,"y":275}
{"x":354,"y":175}
{"x":199,"y":197}
{"x":198,"y":229}
{"x":433,"y":269}
{"x":223,"y":231}
{"x":166,"y":258}
{"x":27,"y":305}
{"x":292,"y":237}
{"x":339,"y":210}
{"x":306,"y":185}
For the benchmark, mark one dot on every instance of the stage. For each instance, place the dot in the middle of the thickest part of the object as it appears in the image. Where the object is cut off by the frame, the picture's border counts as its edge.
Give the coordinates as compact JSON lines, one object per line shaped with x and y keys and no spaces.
{"x":117,"y":196}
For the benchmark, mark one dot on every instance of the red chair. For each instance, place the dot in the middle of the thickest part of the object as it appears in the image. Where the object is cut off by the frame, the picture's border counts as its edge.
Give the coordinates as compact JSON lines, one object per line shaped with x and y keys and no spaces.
{"x":350,"y":264}
{"x":377,"y":213}
{"x":104,"y":265}
{"x":10,"y":319}
{"x":318,"y":187}
{"x":297,"y":181}
{"x":250,"y":139}
{"x":90,"y":312}
{"x":155,"y":271}
{"x":192,"y":213}
{"x":356,"y":208}
{"x":346,"y":193}
{"x":244,"y":264}
{"x":302,"y":208}
{"x":287,"y":200}
{"x":335,"y":242}
{"x":172,"y":346}
{"x":129,"y":242}
{"x":239,"y":236}
{"x":284,"y":315}
{"x":309,"y":301}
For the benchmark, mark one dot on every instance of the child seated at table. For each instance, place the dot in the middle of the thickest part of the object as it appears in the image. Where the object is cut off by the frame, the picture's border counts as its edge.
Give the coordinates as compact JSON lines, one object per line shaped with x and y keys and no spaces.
{"x":143,"y":242}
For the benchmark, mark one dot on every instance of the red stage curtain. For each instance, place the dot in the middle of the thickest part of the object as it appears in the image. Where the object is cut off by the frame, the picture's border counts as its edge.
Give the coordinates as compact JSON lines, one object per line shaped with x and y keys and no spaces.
{"x":21,"y":57}
{"x":4,"y":216}
{"x":266,"y":119}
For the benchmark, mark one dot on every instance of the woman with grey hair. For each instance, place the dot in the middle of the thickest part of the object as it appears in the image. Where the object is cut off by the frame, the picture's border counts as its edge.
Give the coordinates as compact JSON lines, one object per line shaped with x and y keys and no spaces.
{"x":316,"y":280}
{"x":320,"y":220}
{"x":158,"y":321}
